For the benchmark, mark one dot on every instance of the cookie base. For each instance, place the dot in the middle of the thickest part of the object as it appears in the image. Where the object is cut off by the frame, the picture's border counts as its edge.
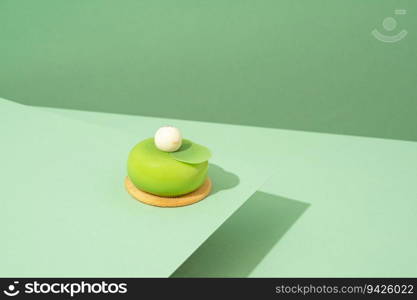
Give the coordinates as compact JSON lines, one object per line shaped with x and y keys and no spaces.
{"x":187,"y":199}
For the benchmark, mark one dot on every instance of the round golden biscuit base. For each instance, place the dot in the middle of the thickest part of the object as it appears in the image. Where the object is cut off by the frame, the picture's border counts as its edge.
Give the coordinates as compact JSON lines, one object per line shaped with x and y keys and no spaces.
{"x":187,"y":199}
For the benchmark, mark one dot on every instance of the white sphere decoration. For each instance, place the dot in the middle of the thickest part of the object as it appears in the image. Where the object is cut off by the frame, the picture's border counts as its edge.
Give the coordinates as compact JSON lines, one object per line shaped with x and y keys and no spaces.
{"x":168,"y":139}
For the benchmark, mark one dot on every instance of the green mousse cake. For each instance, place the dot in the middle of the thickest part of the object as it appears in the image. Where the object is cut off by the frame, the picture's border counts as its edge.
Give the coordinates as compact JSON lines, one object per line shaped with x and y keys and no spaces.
{"x":168,"y":174}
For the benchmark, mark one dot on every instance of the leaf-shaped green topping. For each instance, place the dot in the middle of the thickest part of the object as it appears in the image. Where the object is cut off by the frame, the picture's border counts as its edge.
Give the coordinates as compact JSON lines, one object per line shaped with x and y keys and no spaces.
{"x":191,"y":153}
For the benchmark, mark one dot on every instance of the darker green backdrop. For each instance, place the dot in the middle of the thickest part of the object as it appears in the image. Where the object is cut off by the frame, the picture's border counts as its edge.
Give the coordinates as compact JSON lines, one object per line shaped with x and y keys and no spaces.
{"x":293,"y":64}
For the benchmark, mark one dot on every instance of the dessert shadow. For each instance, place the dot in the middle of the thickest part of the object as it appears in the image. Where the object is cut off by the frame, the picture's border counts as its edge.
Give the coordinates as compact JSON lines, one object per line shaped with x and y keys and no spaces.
{"x":222,"y":179}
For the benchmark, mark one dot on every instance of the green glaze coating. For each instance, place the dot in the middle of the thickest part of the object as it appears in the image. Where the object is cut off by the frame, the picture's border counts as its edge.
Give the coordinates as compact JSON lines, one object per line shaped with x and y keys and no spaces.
{"x":191,"y":153}
{"x":157,"y":172}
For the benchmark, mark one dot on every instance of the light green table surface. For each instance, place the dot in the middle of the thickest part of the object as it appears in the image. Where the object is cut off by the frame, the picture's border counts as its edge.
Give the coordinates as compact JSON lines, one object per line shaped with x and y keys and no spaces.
{"x":336,"y":206}
{"x":64,"y":210}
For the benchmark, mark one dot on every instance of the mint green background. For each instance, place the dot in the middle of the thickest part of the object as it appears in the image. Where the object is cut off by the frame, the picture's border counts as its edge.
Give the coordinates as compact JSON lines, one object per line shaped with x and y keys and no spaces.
{"x":309,"y":65}
{"x":335,"y":206}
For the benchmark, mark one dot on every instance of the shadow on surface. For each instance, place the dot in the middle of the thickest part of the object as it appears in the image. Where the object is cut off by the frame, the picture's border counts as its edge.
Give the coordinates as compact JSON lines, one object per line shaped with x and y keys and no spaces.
{"x":238,"y":246}
{"x":222,"y":179}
